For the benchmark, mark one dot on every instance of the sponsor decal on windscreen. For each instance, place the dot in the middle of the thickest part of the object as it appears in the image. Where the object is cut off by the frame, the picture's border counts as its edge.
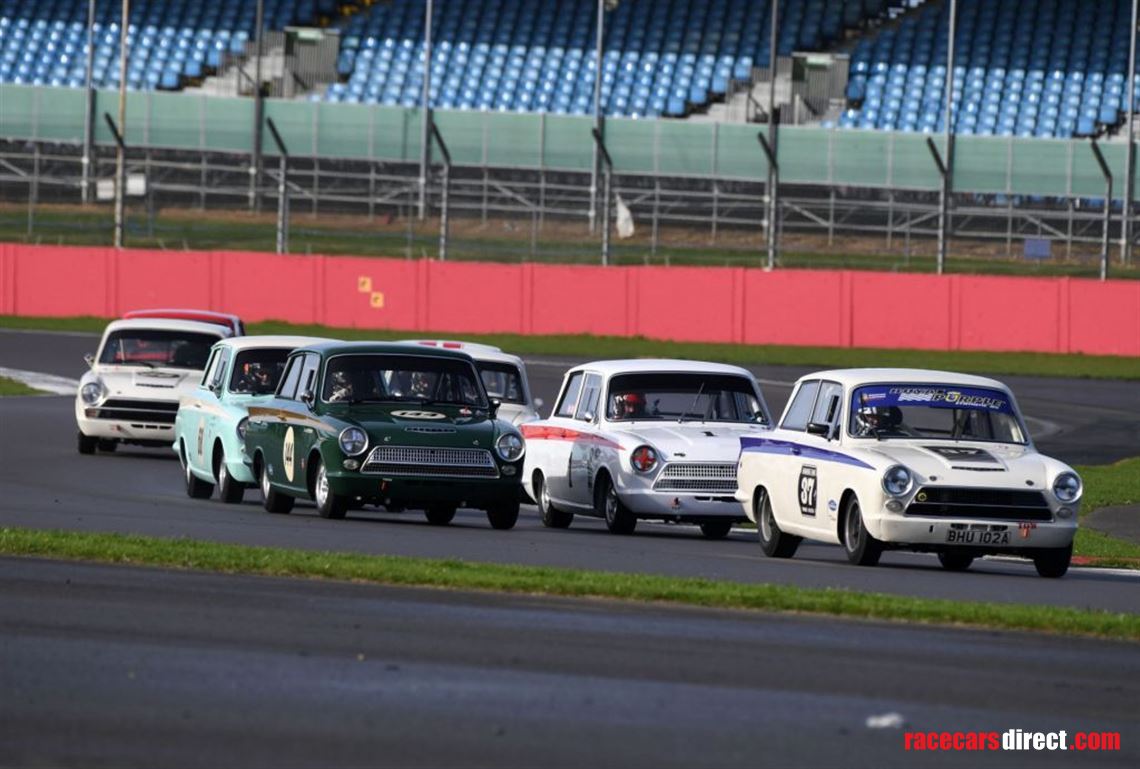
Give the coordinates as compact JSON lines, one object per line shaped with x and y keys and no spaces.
{"x":933,"y":396}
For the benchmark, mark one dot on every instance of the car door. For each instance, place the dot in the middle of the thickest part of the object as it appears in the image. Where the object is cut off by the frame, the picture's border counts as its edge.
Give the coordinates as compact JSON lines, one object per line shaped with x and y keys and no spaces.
{"x":584,"y":452}
{"x":266,"y":428}
{"x":192,"y":415}
{"x":556,"y":438}
{"x":211,"y":409}
{"x":784,"y":463}
{"x":298,"y":422}
{"x":817,"y":496}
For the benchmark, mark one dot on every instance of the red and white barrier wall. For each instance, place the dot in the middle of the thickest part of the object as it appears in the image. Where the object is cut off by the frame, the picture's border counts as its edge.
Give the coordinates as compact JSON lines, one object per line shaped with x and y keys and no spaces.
{"x":696,"y":304}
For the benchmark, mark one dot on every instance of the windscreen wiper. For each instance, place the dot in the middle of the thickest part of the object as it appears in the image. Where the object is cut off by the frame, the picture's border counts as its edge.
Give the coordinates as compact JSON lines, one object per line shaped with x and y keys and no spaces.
{"x":696,"y":398}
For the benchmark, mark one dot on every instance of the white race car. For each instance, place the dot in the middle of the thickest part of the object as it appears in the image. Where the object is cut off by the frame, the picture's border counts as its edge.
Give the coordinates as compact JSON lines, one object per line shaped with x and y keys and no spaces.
{"x":634,"y":439}
{"x":874,"y":459}
{"x":504,"y":377}
{"x":141,"y":371}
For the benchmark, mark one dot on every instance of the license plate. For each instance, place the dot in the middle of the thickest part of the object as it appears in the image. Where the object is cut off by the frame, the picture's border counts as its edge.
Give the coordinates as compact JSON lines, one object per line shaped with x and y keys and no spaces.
{"x":969,"y":537}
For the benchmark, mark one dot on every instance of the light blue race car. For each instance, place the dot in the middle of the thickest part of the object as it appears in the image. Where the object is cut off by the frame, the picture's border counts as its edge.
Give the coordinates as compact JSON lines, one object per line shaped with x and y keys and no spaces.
{"x":210,"y":425}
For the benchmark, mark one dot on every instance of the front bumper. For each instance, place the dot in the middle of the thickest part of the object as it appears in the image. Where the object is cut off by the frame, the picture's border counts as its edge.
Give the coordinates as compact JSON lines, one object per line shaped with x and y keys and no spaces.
{"x":647,"y":503}
{"x":129,"y":431}
{"x":413,"y":492}
{"x":987,"y":535}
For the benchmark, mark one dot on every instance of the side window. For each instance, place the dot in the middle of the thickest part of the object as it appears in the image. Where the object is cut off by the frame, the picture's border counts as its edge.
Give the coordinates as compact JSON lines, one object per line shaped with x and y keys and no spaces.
{"x":588,"y":403}
{"x":826,"y":409}
{"x":209,"y":373}
{"x":288,"y":386}
{"x":221,"y":363}
{"x":569,"y":400}
{"x":308,"y":378}
{"x":796,"y":417}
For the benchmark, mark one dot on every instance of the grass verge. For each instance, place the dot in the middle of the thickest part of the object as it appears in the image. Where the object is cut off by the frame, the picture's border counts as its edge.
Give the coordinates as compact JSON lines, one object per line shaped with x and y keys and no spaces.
{"x":464,"y":575}
{"x":1108,"y":485}
{"x":1015,"y":363}
{"x":12,"y":387}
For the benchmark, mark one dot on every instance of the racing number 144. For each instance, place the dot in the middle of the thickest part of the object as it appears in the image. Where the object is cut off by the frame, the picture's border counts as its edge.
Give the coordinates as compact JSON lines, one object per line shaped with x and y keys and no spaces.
{"x":807,"y":490}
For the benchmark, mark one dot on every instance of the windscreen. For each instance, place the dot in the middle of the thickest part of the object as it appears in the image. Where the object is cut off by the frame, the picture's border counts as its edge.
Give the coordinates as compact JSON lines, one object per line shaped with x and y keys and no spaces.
{"x":402,"y":378}
{"x":257,"y":372}
{"x":502,"y":381}
{"x":157,"y":348}
{"x":888,"y":411}
{"x":684,"y":397}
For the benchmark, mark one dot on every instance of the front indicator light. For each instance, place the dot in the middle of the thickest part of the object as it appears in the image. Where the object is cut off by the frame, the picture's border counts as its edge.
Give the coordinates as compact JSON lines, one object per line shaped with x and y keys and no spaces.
{"x":351,"y":464}
{"x":894,"y":506}
{"x":1064,"y":513}
{"x":509,"y":469}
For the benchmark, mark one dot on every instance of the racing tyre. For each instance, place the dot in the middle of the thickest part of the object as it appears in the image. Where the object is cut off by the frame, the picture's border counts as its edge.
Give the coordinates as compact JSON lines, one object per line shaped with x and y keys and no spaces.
{"x":619,"y":519}
{"x":196,"y":488}
{"x":955,"y":561}
{"x":504,"y":516}
{"x":440,"y":515}
{"x":552,"y":518}
{"x":85,"y":444}
{"x":229,"y":490}
{"x":273,"y":500}
{"x":862,"y":549}
{"x":108,"y":446}
{"x":774,"y":543}
{"x":1053,"y":562}
{"x":329,"y":505}
{"x":716,"y":529}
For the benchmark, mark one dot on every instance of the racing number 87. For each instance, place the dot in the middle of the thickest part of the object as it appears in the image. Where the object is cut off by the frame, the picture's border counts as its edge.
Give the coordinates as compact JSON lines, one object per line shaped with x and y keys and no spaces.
{"x":807,"y":490}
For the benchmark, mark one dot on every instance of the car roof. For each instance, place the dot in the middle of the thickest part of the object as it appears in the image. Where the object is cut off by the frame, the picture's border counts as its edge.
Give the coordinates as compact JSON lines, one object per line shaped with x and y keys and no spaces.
{"x":168,"y":324}
{"x":330,"y":347}
{"x":484,"y":352}
{"x":239,"y":343}
{"x":853,"y":377}
{"x":659,"y":365}
{"x":203,"y":316}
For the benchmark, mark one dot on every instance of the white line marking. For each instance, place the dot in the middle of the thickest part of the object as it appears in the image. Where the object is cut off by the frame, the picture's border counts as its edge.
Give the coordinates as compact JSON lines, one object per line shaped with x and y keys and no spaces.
{"x":57,"y":385}
{"x":885,"y":721}
{"x":53,"y":333}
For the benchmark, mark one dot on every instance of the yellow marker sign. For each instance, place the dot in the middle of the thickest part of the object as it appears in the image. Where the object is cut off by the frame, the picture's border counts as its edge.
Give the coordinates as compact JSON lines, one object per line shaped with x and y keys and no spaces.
{"x":364,"y":284}
{"x":377,"y":300}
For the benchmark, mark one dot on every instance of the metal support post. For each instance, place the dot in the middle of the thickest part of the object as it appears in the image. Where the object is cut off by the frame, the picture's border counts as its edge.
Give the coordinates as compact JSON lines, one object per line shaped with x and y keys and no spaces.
{"x":1107,"y":207}
{"x":443,"y":220}
{"x":121,"y":156}
{"x":258,"y":112}
{"x":773,"y":173}
{"x":945,"y":168}
{"x":599,"y":124}
{"x":120,"y":179}
{"x":1130,"y":151}
{"x":34,"y":188}
{"x":425,"y":117}
{"x":282,"y":190}
{"x":89,"y":108}
{"x":943,"y":172}
{"x":599,"y":142}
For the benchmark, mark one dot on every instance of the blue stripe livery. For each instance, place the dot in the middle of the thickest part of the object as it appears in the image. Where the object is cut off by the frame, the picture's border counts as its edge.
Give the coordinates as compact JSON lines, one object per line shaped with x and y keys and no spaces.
{"x":800,"y":450}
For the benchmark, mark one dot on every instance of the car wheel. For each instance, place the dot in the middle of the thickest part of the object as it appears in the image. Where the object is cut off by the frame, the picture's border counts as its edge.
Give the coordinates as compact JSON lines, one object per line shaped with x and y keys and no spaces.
{"x":619,"y":519}
{"x":552,"y":517}
{"x":955,"y":560}
{"x":107,"y":445}
{"x":329,"y":505}
{"x":273,"y":500}
{"x":86,"y":444}
{"x":1053,"y":562}
{"x":229,"y":490}
{"x":196,"y":488}
{"x":774,"y":543}
{"x":716,"y":529}
{"x":862,"y":549}
{"x":504,"y":516}
{"x":440,"y":515}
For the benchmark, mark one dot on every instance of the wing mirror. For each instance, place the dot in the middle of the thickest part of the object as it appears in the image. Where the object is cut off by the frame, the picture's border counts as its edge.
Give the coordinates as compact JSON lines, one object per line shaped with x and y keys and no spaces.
{"x":307,"y":398}
{"x":494,"y":410}
{"x":819,"y":428}
{"x":89,"y":359}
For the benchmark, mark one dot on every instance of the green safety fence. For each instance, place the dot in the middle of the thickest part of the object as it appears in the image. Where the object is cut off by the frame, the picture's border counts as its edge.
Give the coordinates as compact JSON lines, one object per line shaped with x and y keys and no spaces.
{"x":807,"y":155}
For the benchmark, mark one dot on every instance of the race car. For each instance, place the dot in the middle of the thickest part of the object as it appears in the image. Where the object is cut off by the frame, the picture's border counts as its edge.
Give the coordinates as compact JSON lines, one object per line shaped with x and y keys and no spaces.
{"x":930,"y":461}
{"x":393,"y":425}
{"x":142,"y":369}
{"x":503,"y":374}
{"x":644,"y":439}
{"x":210,"y":424}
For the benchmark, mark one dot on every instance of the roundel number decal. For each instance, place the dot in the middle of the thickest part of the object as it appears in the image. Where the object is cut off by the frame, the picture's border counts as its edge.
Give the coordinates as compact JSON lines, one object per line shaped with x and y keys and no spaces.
{"x":287,"y":455}
{"x":419,"y":415}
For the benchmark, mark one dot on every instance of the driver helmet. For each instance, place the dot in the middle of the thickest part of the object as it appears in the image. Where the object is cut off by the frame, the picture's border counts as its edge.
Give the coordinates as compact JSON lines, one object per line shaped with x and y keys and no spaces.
{"x":631,"y":404}
{"x":879,"y":418}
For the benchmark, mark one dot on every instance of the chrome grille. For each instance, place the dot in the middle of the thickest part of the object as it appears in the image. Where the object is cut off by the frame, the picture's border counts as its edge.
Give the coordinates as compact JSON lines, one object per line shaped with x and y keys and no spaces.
{"x":968,"y":502}
{"x":122,"y":409}
{"x":431,"y":462}
{"x":429,"y":430}
{"x":710,"y":477}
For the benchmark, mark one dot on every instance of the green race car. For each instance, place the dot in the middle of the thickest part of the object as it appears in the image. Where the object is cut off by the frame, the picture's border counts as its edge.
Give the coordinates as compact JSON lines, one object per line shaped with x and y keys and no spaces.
{"x":396,"y":425}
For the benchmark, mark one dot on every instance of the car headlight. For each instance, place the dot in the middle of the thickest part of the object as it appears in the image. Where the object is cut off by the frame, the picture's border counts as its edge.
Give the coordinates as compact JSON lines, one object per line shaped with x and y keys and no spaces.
{"x":897,"y":480}
{"x":242,"y":424}
{"x":1067,"y":487}
{"x":643,"y":459}
{"x":353,"y":441}
{"x":509,"y":447}
{"x":92,"y":392}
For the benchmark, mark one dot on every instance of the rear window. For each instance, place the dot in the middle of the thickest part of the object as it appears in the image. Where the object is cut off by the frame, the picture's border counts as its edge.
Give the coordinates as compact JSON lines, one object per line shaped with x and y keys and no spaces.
{"x":155,"y":348}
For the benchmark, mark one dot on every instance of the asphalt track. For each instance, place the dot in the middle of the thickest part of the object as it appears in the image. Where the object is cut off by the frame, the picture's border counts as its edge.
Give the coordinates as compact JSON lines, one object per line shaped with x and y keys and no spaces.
{"x":123,"y":666}
{"x":119,"y":666}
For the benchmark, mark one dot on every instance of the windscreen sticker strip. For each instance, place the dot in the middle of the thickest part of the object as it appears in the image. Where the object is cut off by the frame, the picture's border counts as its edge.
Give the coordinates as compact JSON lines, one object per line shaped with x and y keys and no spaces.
{"x":932,"y":396}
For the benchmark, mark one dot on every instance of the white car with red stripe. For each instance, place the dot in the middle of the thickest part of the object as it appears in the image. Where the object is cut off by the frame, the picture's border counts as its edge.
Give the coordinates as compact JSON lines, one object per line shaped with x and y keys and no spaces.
{"x":503,"y":375}
{"x":644,"y":439}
